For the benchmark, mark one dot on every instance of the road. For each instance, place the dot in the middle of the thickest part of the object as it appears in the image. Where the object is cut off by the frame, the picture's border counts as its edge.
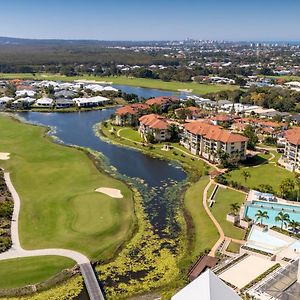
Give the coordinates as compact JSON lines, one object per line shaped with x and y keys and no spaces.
{"x":17,"y":251}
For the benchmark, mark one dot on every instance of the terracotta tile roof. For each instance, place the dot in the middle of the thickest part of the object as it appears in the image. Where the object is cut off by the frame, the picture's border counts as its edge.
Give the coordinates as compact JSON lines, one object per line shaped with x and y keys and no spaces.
{"x":213,"y":132}
{"x":161,"y":100}
{"x":154,"y":121}
{"x":192,"y":110}
{"x":132,"y":109}
{"x":293,"y":135}
{"x":221,"y":118}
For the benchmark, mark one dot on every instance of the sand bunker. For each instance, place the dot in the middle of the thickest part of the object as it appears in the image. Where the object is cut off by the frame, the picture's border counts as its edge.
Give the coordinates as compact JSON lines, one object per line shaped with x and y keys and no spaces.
{"x":4,"y":156}
{"x":114,"y":193}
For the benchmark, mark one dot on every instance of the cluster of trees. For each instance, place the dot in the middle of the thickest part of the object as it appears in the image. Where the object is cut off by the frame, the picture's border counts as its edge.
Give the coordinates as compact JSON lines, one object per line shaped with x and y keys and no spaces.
{"x":268,"y":97}
{"x":282,"y":218}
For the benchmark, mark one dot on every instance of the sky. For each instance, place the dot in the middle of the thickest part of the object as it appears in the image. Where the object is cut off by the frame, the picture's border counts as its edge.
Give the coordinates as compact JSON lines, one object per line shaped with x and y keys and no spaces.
{"x":242,"y":20}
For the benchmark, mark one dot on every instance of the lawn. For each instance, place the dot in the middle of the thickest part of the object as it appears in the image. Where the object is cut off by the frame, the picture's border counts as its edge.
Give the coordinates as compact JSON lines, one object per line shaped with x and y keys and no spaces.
{"x":225,"y":197}
{"x":263,"y":174}
{"x":196,"y":88}
{"x":60,"y":208}
{"x":31,"y":270}
{"x":233,"y":247}
{"x":131,"y":134}
{"x":210,"y":190}
{"x":205,"y":233}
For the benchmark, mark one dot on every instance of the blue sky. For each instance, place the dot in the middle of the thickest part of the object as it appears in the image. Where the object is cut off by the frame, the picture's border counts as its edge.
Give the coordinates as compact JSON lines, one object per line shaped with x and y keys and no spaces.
{"x":152,"y":19}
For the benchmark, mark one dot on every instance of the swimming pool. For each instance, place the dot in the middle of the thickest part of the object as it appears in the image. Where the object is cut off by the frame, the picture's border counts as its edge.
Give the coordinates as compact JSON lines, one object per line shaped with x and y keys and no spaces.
{"x":273,"y":209}
{"x":265,"y":241}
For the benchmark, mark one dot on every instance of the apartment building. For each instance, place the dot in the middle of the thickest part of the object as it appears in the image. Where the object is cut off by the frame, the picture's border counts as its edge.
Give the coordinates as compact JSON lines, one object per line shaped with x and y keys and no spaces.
{"x":129,"y":115}
{"x":291,"y":157}
{"x":208,"y":141}
{"x":154,"y":125}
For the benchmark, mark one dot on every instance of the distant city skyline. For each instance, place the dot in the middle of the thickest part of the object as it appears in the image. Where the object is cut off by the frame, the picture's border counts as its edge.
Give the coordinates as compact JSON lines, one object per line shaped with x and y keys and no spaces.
{"x":135,"y":20}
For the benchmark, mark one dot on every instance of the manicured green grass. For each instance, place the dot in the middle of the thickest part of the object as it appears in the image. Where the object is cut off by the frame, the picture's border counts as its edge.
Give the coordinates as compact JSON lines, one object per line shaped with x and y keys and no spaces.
{"x":234,"y":247}
{"x":31,"y":270}
{"x":205,"y":233}
{"x":263,"y":174}
{"x":210,"y":190}
{"x":130,"y":133}
{"x":196,"y":88}
{"x":60,"y":208}
{"x":225,"y":197}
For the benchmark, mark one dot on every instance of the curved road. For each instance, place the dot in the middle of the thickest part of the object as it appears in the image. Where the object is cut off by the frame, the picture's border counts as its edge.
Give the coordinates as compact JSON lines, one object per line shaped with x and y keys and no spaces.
{"x":17,"y":251}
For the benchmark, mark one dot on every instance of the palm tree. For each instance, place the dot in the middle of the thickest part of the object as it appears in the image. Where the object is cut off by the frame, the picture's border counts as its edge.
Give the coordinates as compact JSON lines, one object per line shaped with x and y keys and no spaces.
{"x":234,"y":208}
{"x":246,"y":175}
{"x":294,"y":225}
{"x":283,"y":218}
{"x":260,"y":215}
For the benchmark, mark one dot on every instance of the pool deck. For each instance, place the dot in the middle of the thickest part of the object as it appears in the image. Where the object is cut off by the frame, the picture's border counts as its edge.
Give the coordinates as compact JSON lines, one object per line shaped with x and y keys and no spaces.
{"x":246,"y":270}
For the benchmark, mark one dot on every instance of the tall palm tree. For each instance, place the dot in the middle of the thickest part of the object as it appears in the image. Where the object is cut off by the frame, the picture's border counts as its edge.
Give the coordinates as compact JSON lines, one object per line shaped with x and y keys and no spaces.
{"x":246,"y":175}
{"x":294,"y":225}
{"x":283,"y":218}
{"x":261,"y":215}
{"x":234,"y":208}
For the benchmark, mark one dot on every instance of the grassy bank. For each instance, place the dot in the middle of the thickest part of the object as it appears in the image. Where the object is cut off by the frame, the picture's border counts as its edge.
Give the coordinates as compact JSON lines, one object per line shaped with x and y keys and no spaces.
{"x":205,"y":233}
{"x":31,"y":270}
{"x":60,"y":208}
{"x":195,"y":88}
{"x":224,"y":198}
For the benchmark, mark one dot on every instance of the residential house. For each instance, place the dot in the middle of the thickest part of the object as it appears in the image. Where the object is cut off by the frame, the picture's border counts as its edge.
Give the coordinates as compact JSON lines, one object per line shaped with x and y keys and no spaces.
{"x":129,"y":115}
{"x":154,"y":125}
{"x":44,"y":102}
{"x":91,"y":102}
{"x":208,"y":141}
{"x":64,"y":103}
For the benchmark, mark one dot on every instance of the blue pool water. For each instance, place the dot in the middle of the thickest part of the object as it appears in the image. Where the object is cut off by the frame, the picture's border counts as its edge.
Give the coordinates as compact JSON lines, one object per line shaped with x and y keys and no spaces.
{"x":273,"y":209}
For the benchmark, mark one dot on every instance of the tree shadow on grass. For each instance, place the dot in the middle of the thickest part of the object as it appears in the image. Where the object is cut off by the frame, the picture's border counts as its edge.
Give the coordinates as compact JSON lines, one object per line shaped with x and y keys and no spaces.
{"x":254,"y":161}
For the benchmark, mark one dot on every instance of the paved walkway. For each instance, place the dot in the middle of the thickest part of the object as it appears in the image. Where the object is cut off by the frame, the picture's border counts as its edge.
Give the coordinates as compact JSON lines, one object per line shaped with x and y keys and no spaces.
{"x":218,"y":226}
{"x":17,"y":251}
{"x":222,"y":237}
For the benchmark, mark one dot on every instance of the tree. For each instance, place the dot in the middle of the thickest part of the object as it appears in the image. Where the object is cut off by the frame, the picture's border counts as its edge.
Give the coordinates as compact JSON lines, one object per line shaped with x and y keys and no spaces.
{"x":283,"y":218}
{"x":246,"y":175}
{"x":294,"y":225}
{"x":261,"y":215}
{"x":266,"y":188}
{"x":297,"y":183}
{"x":249,"y":132}
{"x":174,"y":134}
{"x":234,"y":208}
{"x":150,"y":138}
{"x":286,"y":187}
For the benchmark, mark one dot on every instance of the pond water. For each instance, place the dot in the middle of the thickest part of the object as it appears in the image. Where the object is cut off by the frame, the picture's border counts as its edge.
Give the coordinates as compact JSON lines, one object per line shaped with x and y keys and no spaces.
{"x":156,"y":178}
{"x":148,"y":93}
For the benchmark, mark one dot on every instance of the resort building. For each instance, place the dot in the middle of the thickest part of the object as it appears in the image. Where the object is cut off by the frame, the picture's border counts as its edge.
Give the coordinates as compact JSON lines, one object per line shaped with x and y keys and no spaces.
{"x":291,"y":157}
{"x":207,"y":140}
{"x":163,"y":103}
{"x":189,"y":113}
{"x":129,"y":115}
{"x":156,"y":126}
